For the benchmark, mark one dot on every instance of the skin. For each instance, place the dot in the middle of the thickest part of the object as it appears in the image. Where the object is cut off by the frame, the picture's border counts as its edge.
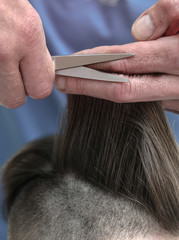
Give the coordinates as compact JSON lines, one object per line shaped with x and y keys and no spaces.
{"x":143,"y":85}
{"x":26,"y":67}
{"x":157,"y":53}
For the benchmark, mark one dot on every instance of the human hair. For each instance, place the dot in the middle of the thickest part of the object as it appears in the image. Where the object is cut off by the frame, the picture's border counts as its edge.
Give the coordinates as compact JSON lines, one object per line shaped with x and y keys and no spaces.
{"x":116,"y":162}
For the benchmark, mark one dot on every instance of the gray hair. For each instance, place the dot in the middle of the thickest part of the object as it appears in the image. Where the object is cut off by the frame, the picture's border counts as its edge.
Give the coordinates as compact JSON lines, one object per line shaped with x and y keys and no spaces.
{"x":111,"y":174}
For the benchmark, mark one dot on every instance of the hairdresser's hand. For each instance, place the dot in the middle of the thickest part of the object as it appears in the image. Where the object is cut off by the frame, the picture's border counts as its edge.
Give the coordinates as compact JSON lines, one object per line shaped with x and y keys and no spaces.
{"x":162,"y":19}
{"x":152,"y":56}
{"x":26,"y":67}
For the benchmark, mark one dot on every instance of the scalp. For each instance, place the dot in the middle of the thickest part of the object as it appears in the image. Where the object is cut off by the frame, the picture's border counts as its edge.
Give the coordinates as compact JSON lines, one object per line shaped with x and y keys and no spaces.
{"x":69,"y":208}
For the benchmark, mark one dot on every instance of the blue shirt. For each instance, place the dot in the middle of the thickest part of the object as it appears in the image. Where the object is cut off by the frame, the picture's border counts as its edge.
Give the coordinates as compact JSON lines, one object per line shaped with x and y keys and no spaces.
{"x":70,"y":26}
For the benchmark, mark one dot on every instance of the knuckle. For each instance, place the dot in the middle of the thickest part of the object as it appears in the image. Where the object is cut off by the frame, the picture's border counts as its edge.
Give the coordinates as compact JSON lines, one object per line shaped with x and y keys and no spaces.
{"x":171,"y":7}
{"x":121,"y":93}
{"x":76,"y":86}
{"x":31,"y":28}
{"x":123,"y":65}
{"x":171,"y":56}
{"x":80,"y":86}
{"x":127,"y":92}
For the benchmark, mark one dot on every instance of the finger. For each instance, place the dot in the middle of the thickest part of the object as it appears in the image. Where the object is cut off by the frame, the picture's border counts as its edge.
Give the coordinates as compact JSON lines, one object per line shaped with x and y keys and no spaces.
{"x":140,"y":88}
{"x":13,"y":94}
{"x":150,"y":56}
{"x":38,"y":74}
{"x":171,"y":105}
{"x":155,"y":21}
{"x":36,"y":64}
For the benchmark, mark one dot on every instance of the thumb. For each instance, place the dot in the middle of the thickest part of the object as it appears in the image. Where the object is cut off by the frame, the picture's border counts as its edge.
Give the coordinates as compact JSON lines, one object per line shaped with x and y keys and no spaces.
{"x":157,"y":20}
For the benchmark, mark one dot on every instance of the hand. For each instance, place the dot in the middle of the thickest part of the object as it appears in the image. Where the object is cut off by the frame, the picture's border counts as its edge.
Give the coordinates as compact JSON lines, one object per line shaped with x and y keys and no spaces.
{"x":26,"y":66}
{"x":159,"y":20}
{"x":158,"y":56}
{"x":152,"y":56}
{"x":162,"y":19}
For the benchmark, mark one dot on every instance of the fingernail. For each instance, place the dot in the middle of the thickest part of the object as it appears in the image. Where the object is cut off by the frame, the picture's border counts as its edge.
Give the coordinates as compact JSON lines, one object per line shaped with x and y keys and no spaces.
{"x":143,"y":28}
{"x":60,"y":83}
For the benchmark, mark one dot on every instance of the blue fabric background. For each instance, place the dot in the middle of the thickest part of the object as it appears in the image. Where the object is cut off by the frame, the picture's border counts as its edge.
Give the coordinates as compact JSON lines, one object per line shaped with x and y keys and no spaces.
{"x":70,"y":26}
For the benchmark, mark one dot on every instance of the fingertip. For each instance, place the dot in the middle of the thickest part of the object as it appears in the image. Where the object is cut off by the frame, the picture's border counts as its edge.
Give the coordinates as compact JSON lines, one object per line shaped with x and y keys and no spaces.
{"x":143,"y":28}
{"x":60,"y":83}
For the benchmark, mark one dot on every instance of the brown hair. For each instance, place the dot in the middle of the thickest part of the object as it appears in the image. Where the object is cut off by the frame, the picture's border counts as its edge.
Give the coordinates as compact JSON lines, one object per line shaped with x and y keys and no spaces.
{"x":125,"y":149}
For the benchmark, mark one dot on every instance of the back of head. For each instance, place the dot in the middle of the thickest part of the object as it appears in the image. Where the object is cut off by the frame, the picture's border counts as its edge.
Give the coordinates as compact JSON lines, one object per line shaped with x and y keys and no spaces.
{"x":66,"y":208}
{"x":112,"y":174}
{"x":127,"y":149}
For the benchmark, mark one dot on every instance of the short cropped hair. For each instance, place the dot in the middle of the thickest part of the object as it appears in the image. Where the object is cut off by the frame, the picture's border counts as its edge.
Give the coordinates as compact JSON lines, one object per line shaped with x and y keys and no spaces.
{"x":112,"y":173}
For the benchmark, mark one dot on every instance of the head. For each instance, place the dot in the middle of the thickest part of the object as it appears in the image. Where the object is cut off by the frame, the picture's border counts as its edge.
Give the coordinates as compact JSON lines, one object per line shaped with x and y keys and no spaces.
{"x":111,"y":174}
